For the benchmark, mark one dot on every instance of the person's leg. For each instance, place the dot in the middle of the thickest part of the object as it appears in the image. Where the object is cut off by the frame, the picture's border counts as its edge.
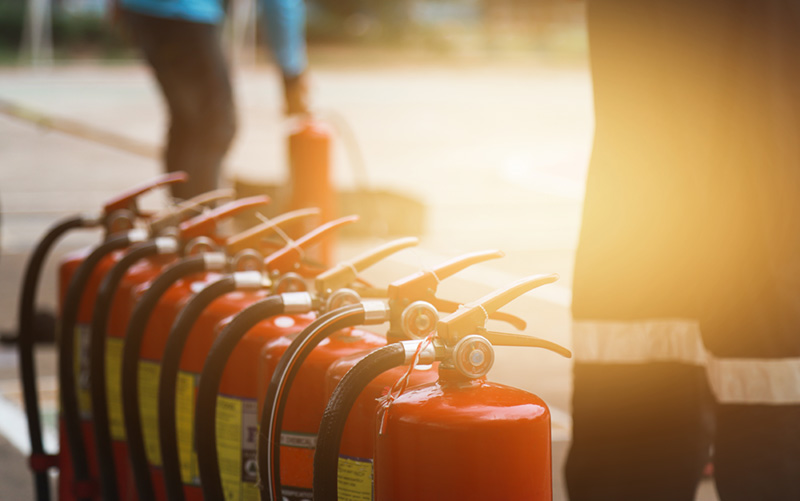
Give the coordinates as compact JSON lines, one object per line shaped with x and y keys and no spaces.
{"x":190,"y":68}
{"x":642,"y":418}
{"x":751,"y":326}
{"x":638,"y":432}
{"x":757,"y":452}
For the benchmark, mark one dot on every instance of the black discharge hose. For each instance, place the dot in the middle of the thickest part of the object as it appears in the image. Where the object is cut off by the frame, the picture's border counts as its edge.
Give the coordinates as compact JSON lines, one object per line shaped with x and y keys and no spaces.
{"x":66,"y":361}
{"x":208,"y":387}
{"x":277,"y":392}
{"x":331,"y":428}
{"x":167,"y":383}
{"x":97,"y":365}
{"x":26,"y":341}
{"x":130,"y":368}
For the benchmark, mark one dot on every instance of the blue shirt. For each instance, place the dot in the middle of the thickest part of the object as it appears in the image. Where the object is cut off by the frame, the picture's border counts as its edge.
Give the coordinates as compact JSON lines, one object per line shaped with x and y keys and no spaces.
{"x":283,"y":21}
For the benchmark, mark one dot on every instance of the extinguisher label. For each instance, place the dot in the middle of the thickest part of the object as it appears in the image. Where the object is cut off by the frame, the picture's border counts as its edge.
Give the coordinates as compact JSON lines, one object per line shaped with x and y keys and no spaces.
{"x":297,"y":439}
{"x":149,"y":372}
{"x":237,"y":438}
{"x":82,"y":370}
{"x":355,"y":479}
{"x":184,"y":415}
{"x":114,"y":386}
{"x":296,"y":494}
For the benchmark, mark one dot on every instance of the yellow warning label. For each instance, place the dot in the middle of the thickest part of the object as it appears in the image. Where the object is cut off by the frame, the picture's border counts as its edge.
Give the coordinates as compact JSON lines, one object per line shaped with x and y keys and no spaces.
{"x":184,"y":414}
{"x":149,"y":372}
{"x":237,"y":438}
{"x":114,"y":386}
{"x":355,"y":479}
{"x":81,"y":362}
{"x":229,"y":445}
{"x":250,"y":492}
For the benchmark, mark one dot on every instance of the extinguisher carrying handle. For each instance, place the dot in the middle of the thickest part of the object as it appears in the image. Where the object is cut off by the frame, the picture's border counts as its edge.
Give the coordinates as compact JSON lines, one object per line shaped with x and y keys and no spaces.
{"x":365,"y":313}
{"x":128,"y":199}
{"x":26,"y":340}
{"x":506,"y":339}
{"x":175,"y":214}
{"x":211,"y":377}
{"x":345,"y":273}
{"x":134,"y":337}
{"x":473,"y":315}
{"x":446,"y":306}
{"x":66,"y":351}
{"x":97,"y":356}
{"x":344,"y":396}
{"x":206,"y":224}
{"x":250,"y":238}
{"x":289,"y":256}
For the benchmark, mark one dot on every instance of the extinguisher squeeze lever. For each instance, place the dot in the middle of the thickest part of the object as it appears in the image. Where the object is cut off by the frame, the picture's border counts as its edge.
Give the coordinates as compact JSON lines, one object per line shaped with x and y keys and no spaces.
{"x":128,"y":199}
{"x":250,"y":238}
{"x":473,"y":315}
{"x":346,"y":272}
{"x":422,"y":286}
{"x":205,"y":224}
{"x":173,"y":215}
{"x":288,"y":257}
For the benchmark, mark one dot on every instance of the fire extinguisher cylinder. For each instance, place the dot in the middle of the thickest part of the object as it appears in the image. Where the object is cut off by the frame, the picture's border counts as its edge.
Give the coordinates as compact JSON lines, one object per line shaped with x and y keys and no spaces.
{"x":326,"y":455}
{"x":222,"y":353}
{"x":364,"y":313}
{"x":134,"y":337}
{"x":285,"y":259}
{"x":205,"y":408}
{"x":130,"y":361}
{"x":97,"y":359}
{"x":113,"y":471}
{"x":66,"y":367}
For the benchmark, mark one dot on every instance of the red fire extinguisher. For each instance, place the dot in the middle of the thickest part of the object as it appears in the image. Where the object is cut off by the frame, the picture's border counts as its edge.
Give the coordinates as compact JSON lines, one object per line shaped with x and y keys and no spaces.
{"x":414,"y":312}
{"x":155,"y":307}
{"x":39,"y":461}
{"x":188,"y":343}
{"x":310,"y":177}
{"x":83,"y":272}
{"x":236,"y":352}
{"x":299,"y":410}
{"x":166,"y":247}
{"x":140,"y":264}
{"x":461,"y":437}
